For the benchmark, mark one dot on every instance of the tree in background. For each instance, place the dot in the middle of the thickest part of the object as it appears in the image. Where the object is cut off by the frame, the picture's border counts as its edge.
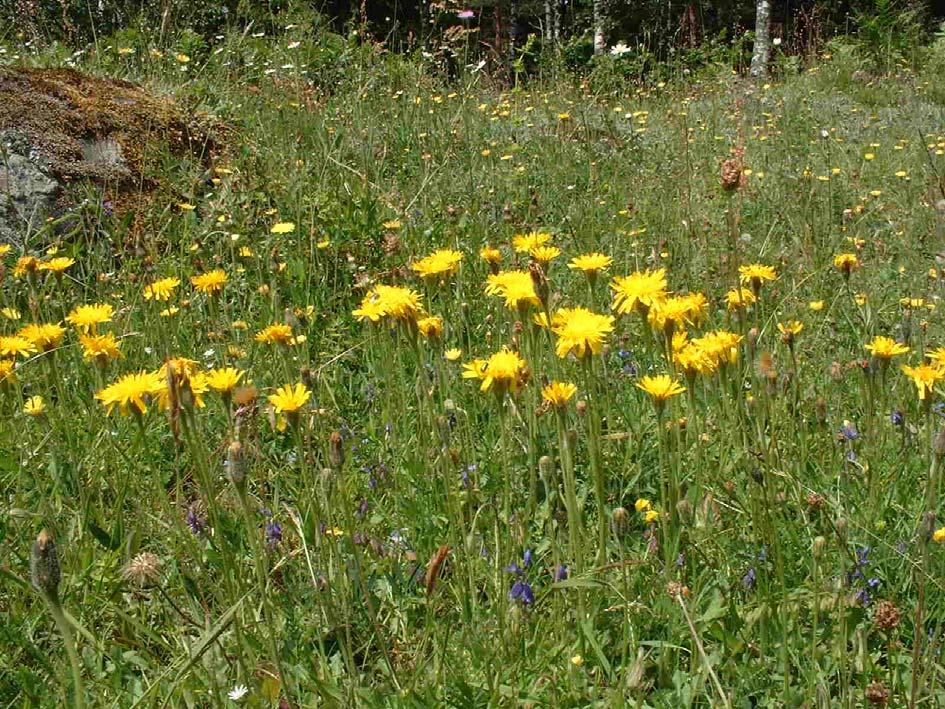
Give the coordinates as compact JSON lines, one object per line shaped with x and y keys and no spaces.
{"x":762,"y":49}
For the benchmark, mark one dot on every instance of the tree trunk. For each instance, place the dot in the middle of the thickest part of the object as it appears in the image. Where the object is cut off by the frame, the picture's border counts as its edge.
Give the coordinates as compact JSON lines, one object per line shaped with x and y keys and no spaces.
{"x":762,"y":49}
{"x":600,"y":45}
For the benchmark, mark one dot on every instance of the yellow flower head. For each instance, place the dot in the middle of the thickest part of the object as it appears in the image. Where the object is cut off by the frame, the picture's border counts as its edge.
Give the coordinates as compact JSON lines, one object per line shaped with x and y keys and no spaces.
{"x":885,"y":348}
{"x":161,"y":289}
{"x":544,"y":254}
{"x":721,"y":346}
{"x":100,"y":348}
{"x":440,"y":264}
{"x":925,"y":377}
{"x":45,"y":336}
{"x":524,"y":243}
{"x":15,"y":346}
{"x":278,"y":333}
{"x":517,"y":287}
{"x":581,"y":331}
{"x":490,"y":255}
{"x":670,"y":314}
{"x":937,"y":356}
{"x":693,"y":360}
{"x":755,"y":274}
{"x":35,"y":406}
{"x":592,"y":263}
{"x":739,"y":298}
{"x":85,"y":318}
{"x":224,"y":379}
{"x":661,"y":387}
{"x":7,"y":370}
{"x":290,"y":399}
{"x":431,"y":326}
{"x":846,"y":263}
{"x":282,"y":228}
{"x":558,"y":393}
{"x":816,"y":305}
{"x":132,"y":391}
{"x":503,"y":371}
{"x":452,"y":354}
{"x":651,"y":516}
{"x":210,"y":282}
{"x":639,"y":291}
{"x":56,"y":265}
{"x":939,"y":535}
{"x":25,"y":265}
{"x":642,"y":505}
{"x":789,"y":330}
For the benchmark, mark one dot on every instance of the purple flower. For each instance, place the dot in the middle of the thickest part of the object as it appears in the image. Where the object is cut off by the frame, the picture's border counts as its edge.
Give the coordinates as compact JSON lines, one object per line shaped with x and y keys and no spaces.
{"x":527,"y":558}
{"x":273,"y":533}
{"x":849,"y":432}
{"x":897,"y":418}
{"x":465,"y":14}
{"x":522,"y":591}
{"x":196,"y":523}
{"x":749,"y":579}
{"x":561,"y":573}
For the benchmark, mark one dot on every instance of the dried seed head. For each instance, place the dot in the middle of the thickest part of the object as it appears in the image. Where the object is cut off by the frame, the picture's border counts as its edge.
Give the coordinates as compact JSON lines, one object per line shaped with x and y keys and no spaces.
{"x":887,"y":616}
{"x":144,"y":570}
{"x":620,"y":518}
{"x":820,"y":410}
{"x":581,"y":407}
{"x":336,"y":451}
{"x":816,"y":501}
{"x":675,"y":588}
{"x":876,"y":693}
{"x":235,"y":467}
{"x":546,"y":466}
{"x":818,"y":545}
{"x":44,"y":565}
{"x":731,"y":176}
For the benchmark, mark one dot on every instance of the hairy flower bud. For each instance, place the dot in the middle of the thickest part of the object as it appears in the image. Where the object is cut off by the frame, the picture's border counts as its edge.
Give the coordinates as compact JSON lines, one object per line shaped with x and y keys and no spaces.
{"x":44,"y":565}
{"x":336,"y":452}
{"x":235,"y":468}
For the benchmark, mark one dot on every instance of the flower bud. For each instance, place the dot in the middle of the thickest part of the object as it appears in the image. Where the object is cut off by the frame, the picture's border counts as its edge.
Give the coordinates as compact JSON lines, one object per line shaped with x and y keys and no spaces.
{"x":235,"y":468}
{"x":620,"y":518}
{"x":546,"y":467}
{"x":938,"y":445}
{"x":817,"y":547}
{"x":44,"y":565}
{"x":336,"y":452}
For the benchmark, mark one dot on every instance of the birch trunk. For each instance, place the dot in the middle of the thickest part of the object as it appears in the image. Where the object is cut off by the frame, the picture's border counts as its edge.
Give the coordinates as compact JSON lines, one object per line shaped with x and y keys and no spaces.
{"x":762,"y":49}
{"x":599,"y":44}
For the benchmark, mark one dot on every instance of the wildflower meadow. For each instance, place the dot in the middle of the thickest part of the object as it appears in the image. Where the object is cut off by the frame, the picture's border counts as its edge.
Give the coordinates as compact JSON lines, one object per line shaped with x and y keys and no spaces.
{"x":431,"y":391}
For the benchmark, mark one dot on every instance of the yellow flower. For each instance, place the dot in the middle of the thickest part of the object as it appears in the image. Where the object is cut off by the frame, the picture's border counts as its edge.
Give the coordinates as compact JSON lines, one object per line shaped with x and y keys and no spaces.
{"x":670,"y":314}
{"x":939,"y":535}
{"x":5,"y":249}
{"x":35,"y":406}
{"x":558,"y":393}
{"x":7,"y":367}
{"x":161,"y":289}
{"x":592,"y":263}
{"x":755,"y":274}
{"x":642,"y":505}
{"x":100,"y":348}
{"x":15,"y":346}
{"x":720,"y":346}
{"x":524,"y":243}
{"x":912,"y":303}
{"x":505,"y":371}
{"x":885,"y":348}
{"x":860,"y":299}
{"x":86,"y":317}
{"x":937,"y":356}
{"x":739,"y":298}
{"x":395,"y":302}
{"x":816,"y":305}
{"x":44,"y":336}
{"x":277,"y":333}
{"x":10,"y":313}
{"x":651,"y":516}
{"x":282,"y":228}
{"x":490,"y":255}
{"x":452,"y":354}
{"x":25,"y":265}
{"x":289,"y":399}
{"x":224,"y":379}
{"x":693,"y":360}
{"x":131,"y":390}
{"x":924,"y":377}
{"x":660,"y":387}
{"x":580,"y":331}
{"x":431,"y":326}
{"x":845,"y":263}
{"x":517,"y":287}
{"x":210,"y":282}
{"x":789,"y":330}
{"x":392,"y":224}
{"x":544,"y":254}
{"x":639,"y":291}
{"x":56,"y":265}
{"x":440,"y":264}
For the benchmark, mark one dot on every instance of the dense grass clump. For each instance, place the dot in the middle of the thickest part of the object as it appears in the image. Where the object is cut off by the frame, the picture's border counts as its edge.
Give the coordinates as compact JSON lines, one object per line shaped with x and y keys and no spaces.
{"x":436,"y":394}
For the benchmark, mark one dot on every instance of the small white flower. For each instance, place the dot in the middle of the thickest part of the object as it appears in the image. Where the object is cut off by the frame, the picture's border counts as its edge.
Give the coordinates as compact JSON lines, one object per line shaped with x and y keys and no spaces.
{"x":776,"y":41}
{"x":238,"y":692}
{"x":619,"y":49}
{"x":293,"y":45}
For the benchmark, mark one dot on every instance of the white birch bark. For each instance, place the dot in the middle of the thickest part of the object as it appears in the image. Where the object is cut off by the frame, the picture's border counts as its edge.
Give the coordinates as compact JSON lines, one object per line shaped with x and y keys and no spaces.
{"x":762,"y":48}
{"x":600,"y":45}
